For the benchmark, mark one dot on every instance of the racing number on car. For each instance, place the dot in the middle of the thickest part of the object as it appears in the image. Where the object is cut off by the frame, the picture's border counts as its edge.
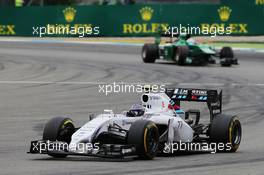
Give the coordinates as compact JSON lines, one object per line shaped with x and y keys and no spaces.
{"x":180,"y":124}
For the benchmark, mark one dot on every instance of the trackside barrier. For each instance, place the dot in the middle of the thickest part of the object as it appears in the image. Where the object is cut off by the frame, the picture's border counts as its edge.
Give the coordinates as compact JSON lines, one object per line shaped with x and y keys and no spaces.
{"x":244,"y":17}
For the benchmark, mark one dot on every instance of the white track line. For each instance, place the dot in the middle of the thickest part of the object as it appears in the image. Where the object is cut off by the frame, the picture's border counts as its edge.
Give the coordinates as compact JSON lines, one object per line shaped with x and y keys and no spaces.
{"x":127,"y":83}
{"x":221,"y":84}
{"x":75,"y":82}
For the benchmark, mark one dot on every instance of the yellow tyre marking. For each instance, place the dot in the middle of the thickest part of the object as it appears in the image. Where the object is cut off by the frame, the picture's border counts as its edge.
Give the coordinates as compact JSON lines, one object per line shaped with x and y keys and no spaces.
{"x":66,"y":122}
{"x":151,"y":125}
{"x":231,"y":128}
{"x":230,"y":132}
{"x":145,"y":140}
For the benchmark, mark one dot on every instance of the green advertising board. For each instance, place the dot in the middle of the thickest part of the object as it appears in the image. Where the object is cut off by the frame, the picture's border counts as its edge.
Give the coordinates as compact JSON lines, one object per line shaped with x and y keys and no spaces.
{"x":132,"y":20}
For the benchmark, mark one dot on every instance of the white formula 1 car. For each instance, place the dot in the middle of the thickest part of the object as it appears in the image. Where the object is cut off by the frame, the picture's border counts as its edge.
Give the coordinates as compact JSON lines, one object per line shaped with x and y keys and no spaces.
{"x":145,"y":130}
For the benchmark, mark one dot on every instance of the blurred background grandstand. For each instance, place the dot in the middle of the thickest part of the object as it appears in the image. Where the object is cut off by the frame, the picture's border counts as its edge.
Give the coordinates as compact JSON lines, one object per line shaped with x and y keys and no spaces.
{"x":88,"y":2}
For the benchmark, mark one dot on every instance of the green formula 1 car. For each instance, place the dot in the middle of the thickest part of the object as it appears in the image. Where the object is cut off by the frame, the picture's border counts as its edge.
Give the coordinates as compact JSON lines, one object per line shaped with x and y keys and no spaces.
{"x":185,"y":51}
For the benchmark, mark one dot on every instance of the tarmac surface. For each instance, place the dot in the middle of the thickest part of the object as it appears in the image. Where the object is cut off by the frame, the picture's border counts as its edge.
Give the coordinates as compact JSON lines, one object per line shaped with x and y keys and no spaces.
{"x":39,"y":81}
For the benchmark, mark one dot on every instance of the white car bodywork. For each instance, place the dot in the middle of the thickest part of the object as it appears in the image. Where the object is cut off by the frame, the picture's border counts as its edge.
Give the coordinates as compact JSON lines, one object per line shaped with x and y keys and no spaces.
{"x":156,"y":110}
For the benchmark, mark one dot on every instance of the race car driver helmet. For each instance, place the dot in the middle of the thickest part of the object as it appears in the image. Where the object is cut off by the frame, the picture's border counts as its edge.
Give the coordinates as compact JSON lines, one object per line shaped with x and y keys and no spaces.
{"x":136,"y":110}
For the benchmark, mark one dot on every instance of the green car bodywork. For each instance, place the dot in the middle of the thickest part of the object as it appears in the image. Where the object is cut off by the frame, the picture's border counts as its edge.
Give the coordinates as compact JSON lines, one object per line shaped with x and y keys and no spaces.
{"x":184,"y":51}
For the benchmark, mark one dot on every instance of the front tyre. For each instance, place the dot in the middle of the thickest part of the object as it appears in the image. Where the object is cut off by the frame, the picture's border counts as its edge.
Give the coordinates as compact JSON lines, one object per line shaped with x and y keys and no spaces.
{"x":144,"y":135}
{"x":59,"y":129}
{"x":149,"y":53}
{"x":226,"y":129}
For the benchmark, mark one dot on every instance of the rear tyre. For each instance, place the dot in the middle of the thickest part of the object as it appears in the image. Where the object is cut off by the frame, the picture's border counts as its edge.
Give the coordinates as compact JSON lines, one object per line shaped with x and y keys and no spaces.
{"x":150,"y":52}
{"x":144,"y":135}
{"x":226,"y":129}
{"x":226,"y":52}
{"x":181,"y":54}
{"x":59,"y":129}
{"x":226,"y":56}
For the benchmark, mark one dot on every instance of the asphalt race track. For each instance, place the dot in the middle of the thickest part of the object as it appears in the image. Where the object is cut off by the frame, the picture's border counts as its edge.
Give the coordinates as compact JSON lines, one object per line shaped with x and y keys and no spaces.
{"x":43,"y":80}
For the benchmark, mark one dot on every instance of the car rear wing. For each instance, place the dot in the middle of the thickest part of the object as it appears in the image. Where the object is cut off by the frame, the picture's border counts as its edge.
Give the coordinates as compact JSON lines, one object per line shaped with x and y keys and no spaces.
{"x":211,"y":97}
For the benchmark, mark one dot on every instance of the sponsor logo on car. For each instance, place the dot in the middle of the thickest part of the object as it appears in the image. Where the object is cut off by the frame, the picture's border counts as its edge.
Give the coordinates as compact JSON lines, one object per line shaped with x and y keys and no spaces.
{"x":199,"y":92}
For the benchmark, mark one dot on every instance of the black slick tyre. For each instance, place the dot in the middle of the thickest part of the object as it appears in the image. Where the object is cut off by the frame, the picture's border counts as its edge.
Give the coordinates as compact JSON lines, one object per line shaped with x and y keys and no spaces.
{"x":149,"y":53}
{"x":226,"y":129}
{"x":59,"y":129}
{"x":180,"y":55}
{"x":144,"y":135}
